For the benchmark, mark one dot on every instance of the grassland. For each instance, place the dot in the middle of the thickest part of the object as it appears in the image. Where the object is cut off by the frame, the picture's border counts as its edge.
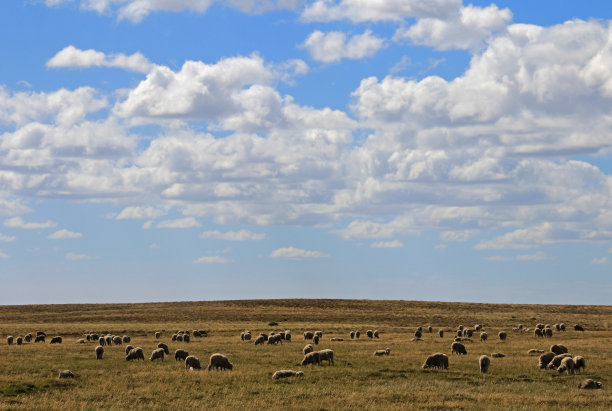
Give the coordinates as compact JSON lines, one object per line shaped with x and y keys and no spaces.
{"x":28,"y":373}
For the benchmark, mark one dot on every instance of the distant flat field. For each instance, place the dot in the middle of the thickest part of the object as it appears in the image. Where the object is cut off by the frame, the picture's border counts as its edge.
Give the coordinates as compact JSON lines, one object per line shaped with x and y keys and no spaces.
{"x":357,"y":380}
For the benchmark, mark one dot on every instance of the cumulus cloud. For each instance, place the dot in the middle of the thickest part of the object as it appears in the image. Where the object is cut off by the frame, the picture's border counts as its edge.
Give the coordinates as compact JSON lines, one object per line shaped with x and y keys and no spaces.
{"x":72,"y":57}
{"x":296,"y":253}
{"x":334,"y":46}
{"x":387,"y":244}
{"x":215,"y":259}
{"x":140,"y":213}
{"x":64,"y":234}
{"x":7,"y":238}
{"x":242,"y":235}
{"x":76,"y":256}
{"x":467,"y":29}
{"x":187,"y":222}
{"x":18,"y":222}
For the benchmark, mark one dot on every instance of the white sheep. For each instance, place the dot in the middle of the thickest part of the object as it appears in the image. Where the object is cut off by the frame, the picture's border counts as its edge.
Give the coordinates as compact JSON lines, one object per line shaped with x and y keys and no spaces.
{"x":286,"y":374}
{"x":308,"y":348}
{"x":379,"y":353}
{"x":437,"y":360}
{"x":219,"y":361}
{"x":157,"y":354}
{"x":567,"y":364}
{"x":484,"y":363}
{"x":327,"y":355}
{"x":99,"y":352}
{"x":192,"y":362}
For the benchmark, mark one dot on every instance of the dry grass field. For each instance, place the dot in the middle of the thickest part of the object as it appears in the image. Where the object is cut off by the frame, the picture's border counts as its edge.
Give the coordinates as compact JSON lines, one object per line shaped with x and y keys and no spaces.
{"x":358,"y":380}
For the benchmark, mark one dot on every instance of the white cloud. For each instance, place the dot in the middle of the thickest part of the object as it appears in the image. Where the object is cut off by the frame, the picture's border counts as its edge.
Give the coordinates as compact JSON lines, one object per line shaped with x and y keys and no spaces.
{"x":72,"y":57}
{"x":360,"y":11}
{"x":140,"y":213}
{"x":538,"y":256}
{"x":75,"y":256}
{"x":296,"y":253}
{"x":187,"y":222}
{"x":64,"y":234}
{"x":7,"y":238}
{"x":213,"y":260}
{"x":387,"y":244}
{"x":18,"y":222}
{"x":334,"y":46}
{"x":600,"y":261}
{"x":467,"y":29}
{"x":242,"y":235}
{"x":3,"y":255}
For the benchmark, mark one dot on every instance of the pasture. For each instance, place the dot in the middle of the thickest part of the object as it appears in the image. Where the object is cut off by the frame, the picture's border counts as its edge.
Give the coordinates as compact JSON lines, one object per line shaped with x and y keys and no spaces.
{"x":358,"y":380}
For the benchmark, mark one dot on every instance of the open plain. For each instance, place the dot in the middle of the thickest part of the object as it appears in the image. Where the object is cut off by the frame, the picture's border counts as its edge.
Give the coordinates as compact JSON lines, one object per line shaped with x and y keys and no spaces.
{"x":357,"y":380}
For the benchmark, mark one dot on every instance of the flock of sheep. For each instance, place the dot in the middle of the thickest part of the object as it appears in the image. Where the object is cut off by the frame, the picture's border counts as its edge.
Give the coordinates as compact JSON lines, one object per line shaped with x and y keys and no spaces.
{"x":557,"y":358}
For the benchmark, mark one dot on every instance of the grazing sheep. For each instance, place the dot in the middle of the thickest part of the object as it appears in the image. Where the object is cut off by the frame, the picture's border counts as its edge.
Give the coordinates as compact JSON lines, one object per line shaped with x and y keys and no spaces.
{"x":418,"y":334}
{"x":441,"y":333}
{"x":101,"y":341}
{"x":420,"y":328}
{"x":370,"y":333}
{"x":179,"y":337}
{"x":327,"y":355}
{"x":126,"y":339}
{"x":117,"y":340}
{"x":164,"y":347}
{"x":567,"y":364}
{"x":135,"y":354}
{"x":41,"y":333}
{"x":157,"y":354}
{"x":315,"y":339}
{"x":307,"y":348}
{"x":562,"y":326}
{"x":548,"y":332}
{"x":578,"y":327}
{"x":128,"y":348}
{"x":245,"y":336}
{"x":19,"y":340}
{"x":556,"y":361}
{"x":174,"y":337}
{"x":99,"y":352}
{"x":196,"y":333}
{"x":483,"y":336}
{"x":94,"y":337}
{"x":319,"y":333}
{"x":28,"y":337}
{"x":264,"y":335}
{"x":498,"y":355}
{"x":540,"y":326}
{"x":557,"y":326}
{"x":502,"y":335}
{"x":56,"y":340}
{"x":259,"y":340}
{"x":9,"y":340}
{"x":308,"y":335}
{"x":180,"y":355}
{"x":579,"y":364}
{"x":437,"y":360}
{"x":534,"y":351}
{"x":545,"y":359}
{"x":379,"y":353}
{"x":376,"y":333}
{"x":187,"y":338}
{"x":109,"y":340}
{"x":66,"y":374}
{"x":468,"y":332}
{"x":288,"y":335}
{"x":81,"y":341}
{"x":39,"y":338}
{"x":478,"y":327}
{"x":589,"y":384}
{"x":357,"y":334}
{"x":311,"y":358}
{"x":484,"y":363}
{"x":191,"y":361}
{"x":558,"y":349}
{"x":352,"y":334}
{"x":336,"y":339}
{"x":458,"y":348}
{"x":537,"y":332}
{"x":286,"y":374}
{"x":430,"y":329}
{"x":157,"y":335}
{"x":219,"y":361}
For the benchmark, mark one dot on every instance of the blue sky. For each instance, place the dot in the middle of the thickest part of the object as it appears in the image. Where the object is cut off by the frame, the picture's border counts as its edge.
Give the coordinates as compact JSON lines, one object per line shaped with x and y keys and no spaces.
{"x":196,"y":150}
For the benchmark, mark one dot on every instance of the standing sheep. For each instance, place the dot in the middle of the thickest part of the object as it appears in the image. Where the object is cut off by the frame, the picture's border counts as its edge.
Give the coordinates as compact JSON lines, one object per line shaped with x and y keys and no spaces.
{"x":319,"y":333}
{"x":164,"y":347}
{"x":193,"y":362}
{"x":101,"y":341}
{"x":157,"y":354}
{"x":109,"y":340}
{"x":537,"y":332}
{"x":370,"y":333}
{"x":502,"y":335}
{"x":375,"y":333}
{"x":187,"y":338}
{"x":219,"y":361}
{"x":308,"y":348}
{"x":28,"y":337}
{"x":484,"y":363}
{"x":579,"y":363}
{"x":430,"y":329}
{"x":441,"y":333}
{"x":437,"y":360}
{"x":548,"y":332}
{"x":483,"y":336}
{"x":99,"y":352}
{"x":308,"y":335}
{"x":9,"y":340}
{"x":458,"y":348}
{"x":288,"y":335}
{"x":157,"y":335}
{"x":545,"y":359}
{"x":180,"y":355}
{"x":19,"y":341}
{"x":126,"y":339}
{"x":567,"y":364}
{"x":315,"y":339}
{"x":418,"y":334}
{"x":352,"y":334}
{"x":357,"y":334}
{"x":286,"y":374}
{"x":327,"y":355}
